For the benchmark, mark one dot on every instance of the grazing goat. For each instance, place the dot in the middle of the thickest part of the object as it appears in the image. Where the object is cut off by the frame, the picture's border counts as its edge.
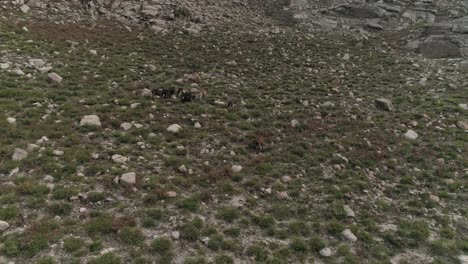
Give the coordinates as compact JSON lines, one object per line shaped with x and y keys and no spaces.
{"x":260,"y":141}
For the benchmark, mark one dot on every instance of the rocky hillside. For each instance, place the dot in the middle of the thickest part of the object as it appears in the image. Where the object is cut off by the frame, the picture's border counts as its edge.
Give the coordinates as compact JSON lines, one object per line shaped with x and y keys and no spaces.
{"x":220,"y":132}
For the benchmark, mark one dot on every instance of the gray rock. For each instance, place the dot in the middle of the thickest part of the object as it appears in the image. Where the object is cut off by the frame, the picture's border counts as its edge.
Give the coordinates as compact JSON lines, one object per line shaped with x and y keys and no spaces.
{"x":349,"y":235}
{"x":126,"y":126}
{"x":54,"y":77}
{"x":445,"y":46}
{"x":174,"y":128}
{"x":349,"y":211}
{"x":236,"y":168}
{"x":11,"y":120}
{"x":24,"y":8}
{"x":90,"y":120}
{"x":384,"y":104}
{"x":463,"y":259}
{"x":128,"y":179}
{"x":19,"y":154}
{"x":3,"y":226}
{"x":410,"y":135}
{"x":326,"y":252}
{"x":119,"y":159}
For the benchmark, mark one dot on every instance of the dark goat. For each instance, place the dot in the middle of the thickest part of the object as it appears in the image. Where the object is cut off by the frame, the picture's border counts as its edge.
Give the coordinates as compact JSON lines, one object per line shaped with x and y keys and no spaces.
{"x":186,"y":97}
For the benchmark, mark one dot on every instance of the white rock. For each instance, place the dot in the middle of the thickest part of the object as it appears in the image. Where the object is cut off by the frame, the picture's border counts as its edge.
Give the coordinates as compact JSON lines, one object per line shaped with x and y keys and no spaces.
{"x":14,"y":172}
{"x":58,"y":152}
{"x":18,"y":72}
{"x":463,"y":259}
{"x":48,"y":178}
{"x":349,"y":211}
{"x":135,"y":105}
{"x":4,"y":66}
{"x":119,"y":158}
{"x":24,"y":8}
{"x":328,"y":104}
{"x":346,"y":57}
{"x":175,"y":235}
{"x":388,"y":227}
{"x":32,"y":147}
{"x":83,"y":210}
{"x":54,"y":77}
{"x":126,"y":126}
{"x":93,"y":52}
{"x":326,"y":252}
{"x":236,"y":168}
{"x":286,"y":179}
{"x":463,"y":106}
{"x":11,"y":120}
{"x":294,"y":123}
{"x":197,"y":125}
{"x":3,"y":225}
{"x":182,"y":168}
{"x":90,"y":120}
{"x":174,"y":128}
{"x":19,"y":154}
{"x":349,"y":235}
{"x":410,"y":135}
{"x":128,"y":178}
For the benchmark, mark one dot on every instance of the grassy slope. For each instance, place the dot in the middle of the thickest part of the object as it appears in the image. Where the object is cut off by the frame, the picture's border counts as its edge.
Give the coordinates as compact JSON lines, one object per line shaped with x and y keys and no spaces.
{"x":386,"y":180}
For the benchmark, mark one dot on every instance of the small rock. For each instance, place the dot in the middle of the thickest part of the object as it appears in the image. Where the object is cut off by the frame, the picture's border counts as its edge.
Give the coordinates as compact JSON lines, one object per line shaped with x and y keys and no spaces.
{"x":24,"y":8}
{"x":327,"y":104}
{"x":119,"y":159}
{"x":3,"y":225}
{"x":182,"y":169}
{"x":90,"y":120}
{"x":32,"y":147}
{"x":146,"y":93}
{"x":463,"y":259}
{"x":294,"y":123}
{"x":384,"y":104}
{"x":326,"y":252}
{"x":171,"y":194}
{"x":174,"y":128}
{"x":93,"y":52}
{"x":286,"y":179}
{"x":175,"y":235}
{"x":58,"y":152}
{"x":349,"y":235}
{"x":54,"y":77}
{"x":19,"y":154}
{"x":48,"y":178}
{"x":197,"y":125}
{"x":83,"y":210}
{"x":349,"y":211}
{"x":463,"y":106}
{"x":11,"y":120}
{"x":128,"y":178}
{"x":236,"y":168}
{"x":388,"y":227}
{"x":410,"y":135}
{"x":346,"y":57}
{"x":126,"y":126}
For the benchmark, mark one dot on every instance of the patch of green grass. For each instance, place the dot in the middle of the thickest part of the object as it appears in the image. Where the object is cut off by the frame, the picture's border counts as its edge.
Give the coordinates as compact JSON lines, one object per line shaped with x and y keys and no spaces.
{"x":228,"y":214}
{"x":131,"y":235}
{"x":73,"y":244}
{"x":108,"y":258}
{"x":161,"y":245}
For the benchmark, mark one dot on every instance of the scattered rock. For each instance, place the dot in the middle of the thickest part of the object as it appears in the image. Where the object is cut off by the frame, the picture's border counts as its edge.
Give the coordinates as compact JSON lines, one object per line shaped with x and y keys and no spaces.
{"x":349,"y":211}
{"x":197,"y":125}
{"x":90,"y":120}
{"x":294,"y":123}
{"x":128,"y":179}
{"x":463,"y":259}
{"x":388,"y":227}
{"x":54,"y":77}
{"x":11,"y":120}
{"x":175,"y":235}
{"x":119,"y":159}
{"x":126,"y":126}
{"x":19,"y":154}
{"x":58,"y":152}
{"x":282,"y":195}
{"x":3,"y":225}
{"x":174,"y":128}
{"x":326,"y":252}
{"x":182,"y":169}
{"x":24,"y":8}
{"x":349,"y":235}
{"x":384,"y":104}
{"x":236,"y":168}
{"x":411,"y":135}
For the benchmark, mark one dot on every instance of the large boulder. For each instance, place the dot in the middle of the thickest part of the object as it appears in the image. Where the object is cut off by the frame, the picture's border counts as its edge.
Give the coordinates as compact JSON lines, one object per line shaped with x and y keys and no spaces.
{"x":445,"y":46}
